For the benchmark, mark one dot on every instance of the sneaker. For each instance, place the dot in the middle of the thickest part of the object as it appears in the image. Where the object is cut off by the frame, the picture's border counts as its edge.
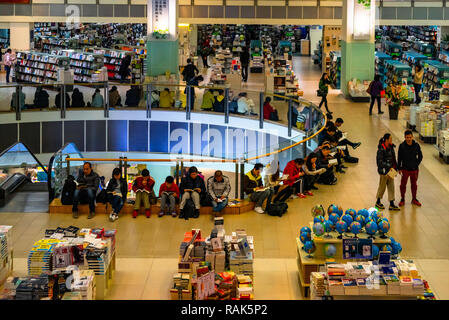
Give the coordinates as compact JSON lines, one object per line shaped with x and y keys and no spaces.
{"x":313,"y":188}
{"x":115,"y":217}
{"x":416,"y":202}
{"x":309,"y":193}
{"x":196,"y":213}
{"x":147,"y":213}
{"x":300,"y":195}
{"x":160,"y":214}
{"x":91,"y":215}
{"x":75,"y":214}
{"x":173,"y":214}
{"x":135,"y":213}
{"x":402,"y":203}
{"x":111,"y":216}
{"x":259,"y":210}
{"x":381,"y":112}
{"x":334,"y":182}
{"x":393,"y":207}
{"x":379,"y":206}
{"x":293,"y":196}
{"x":356,"y":145}
{"x":181,"y":214}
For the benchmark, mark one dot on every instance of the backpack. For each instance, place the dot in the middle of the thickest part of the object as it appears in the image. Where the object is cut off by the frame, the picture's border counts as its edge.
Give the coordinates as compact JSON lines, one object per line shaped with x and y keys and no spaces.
{"x":102,"y":196}
{"x":189,"y":209}
{"x":68,"y":190}
{"x":277,"y":209}
{"x":233,"y":106}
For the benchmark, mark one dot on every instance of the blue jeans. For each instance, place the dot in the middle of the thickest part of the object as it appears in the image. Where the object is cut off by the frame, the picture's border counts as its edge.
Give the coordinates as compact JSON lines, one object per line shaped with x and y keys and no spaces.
{"x":90,"y":195}
{"x":8,"y":71}
{"x":116,"y":203}
{"x":218,"y":206}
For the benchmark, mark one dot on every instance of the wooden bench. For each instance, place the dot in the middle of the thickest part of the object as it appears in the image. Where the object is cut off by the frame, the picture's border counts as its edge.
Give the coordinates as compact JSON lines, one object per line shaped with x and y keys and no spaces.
{"x":57,"y":207}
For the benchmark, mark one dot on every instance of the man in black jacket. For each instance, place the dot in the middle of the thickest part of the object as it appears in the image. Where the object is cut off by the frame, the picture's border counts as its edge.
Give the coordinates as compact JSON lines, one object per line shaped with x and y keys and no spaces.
{"x":117,"y":191}
{"x":88,"y":183}
{"x":244,"y":60}
{"x":192,"y":187}
{"x":190,"y":71}
{"x":409,"y":159}
{"x":322,"y":162}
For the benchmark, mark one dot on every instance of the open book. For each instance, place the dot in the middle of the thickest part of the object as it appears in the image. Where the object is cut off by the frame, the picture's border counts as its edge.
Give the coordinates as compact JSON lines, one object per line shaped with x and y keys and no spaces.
{"x":115,"y":193}
{"x":80,"y":185}
{"x":333,"y":162}
{"x":392,"y":173}
{"x":263,"y":189}
{"x":284,"y":177}
{"x":344,"y":136}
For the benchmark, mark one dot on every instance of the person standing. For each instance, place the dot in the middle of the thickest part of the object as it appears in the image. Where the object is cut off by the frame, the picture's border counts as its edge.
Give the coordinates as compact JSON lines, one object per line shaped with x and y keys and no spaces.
{"x":205,"y":51}
{"x":374,"y":90}
{"x":244,"y":60}
{"x":8,"y":61}
{"x":218,"y":188}
{"x":323,"y":90}
{"x":409,"y":159}
{"x":417,"y":82}
{"x":386,"y":163}
{"x":124,"y":68}
{"x":190,"y":71}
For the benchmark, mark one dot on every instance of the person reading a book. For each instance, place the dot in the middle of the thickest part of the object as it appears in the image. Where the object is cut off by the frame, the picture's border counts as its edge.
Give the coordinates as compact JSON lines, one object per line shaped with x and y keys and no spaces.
{"x":253,"y":186}
{"x":324,"y":162}
{"x":117,"y":191}
{"x":274,"y":181}
{"x":86,"y":184}
{"x":341,"y":136}
{"x":143,"y":187}
{"x":386,"y":167}
{"x":192,"y":187}
{"x":295,"y":181}
{"x":311,"y":171}
{"x":335,"y":153}
{"x":169,"y":194}
{"x":218,"y":188}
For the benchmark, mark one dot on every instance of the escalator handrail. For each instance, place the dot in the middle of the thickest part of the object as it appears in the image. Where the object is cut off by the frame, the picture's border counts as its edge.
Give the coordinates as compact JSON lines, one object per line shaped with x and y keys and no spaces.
{"x":14,"y":186}
{"x":28,"y":149}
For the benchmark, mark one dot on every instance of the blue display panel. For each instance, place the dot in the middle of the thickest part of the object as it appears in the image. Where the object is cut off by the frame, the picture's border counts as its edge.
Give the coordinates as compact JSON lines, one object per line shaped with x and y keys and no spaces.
{"x":179,"y":137}
{"x":117,"y":135}
{"x":51,"y":136}
{"x":30,"y":134}
{"x":95,"y":135}
{"x":158,"y":136}
{"x":199,"y":139}
{"x":138,"y":135}
{"x":235,"y":143}
{"x":74,"y":132}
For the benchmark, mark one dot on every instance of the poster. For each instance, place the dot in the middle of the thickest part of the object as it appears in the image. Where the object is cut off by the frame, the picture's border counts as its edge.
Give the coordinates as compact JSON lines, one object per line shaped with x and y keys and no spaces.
{"x":355,"y":248}
{"x":160,"y":15}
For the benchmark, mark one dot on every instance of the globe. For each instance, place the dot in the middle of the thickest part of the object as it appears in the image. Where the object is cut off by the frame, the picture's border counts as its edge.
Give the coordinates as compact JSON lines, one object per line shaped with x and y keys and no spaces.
{"x":329,"y":250}
{"x":396,"y":247}
{"x":334,"y":217}
{"x":376,"y":215}
{"x":329,"y":226}
{"x":355,"y":227}
{"x":384,"y":226}
{"x":360,"y":219}
{"x":305,"y":229}
{"x":375,"y":251}
{"x":372,"y":209}
{"x":382,"y":219}
{"x":318,"y":210}
{"x":347,"y":218}
{"x":318,"y":219}
{"x":332,"y":209}
{"x":364,"y":213}
{"x":309,"y":247}
{"x":386,"y":247}
{"x":340,"y":211}
{"x":341,"y":227}
{"x":318,"y":229}
{"x":351,"y":212}
{"x":371,"y":228}
{"x":304,"y":237}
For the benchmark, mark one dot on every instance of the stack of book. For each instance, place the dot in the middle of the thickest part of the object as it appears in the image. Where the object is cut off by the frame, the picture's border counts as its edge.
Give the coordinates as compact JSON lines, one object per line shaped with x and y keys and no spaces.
{"x":181,"y":289}
{"x":40,"y":257}
{"x":241,"y":264}
{"x":406,"y":285}
{"x":32,"y":288}
{"x":317,"y":285}
{"x":351,"y":287}
{"x":5,"y":252}
{"x":245,"y":288}
{"x":393,"y":284}
{"x":84,"y":283}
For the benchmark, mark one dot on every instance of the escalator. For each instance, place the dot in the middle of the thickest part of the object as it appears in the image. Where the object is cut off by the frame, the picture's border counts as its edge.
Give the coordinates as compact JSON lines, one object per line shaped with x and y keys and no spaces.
{"x":23,"y":181}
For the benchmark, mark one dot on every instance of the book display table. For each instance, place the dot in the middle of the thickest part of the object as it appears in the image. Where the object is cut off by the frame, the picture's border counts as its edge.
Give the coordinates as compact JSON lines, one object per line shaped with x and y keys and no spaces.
{"x":6,"y":253}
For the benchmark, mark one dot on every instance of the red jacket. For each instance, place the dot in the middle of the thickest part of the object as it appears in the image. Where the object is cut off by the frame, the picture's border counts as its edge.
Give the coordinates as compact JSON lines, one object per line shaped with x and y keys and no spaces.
{"x":293,"y":173}
{"x":267,"y":109}
{"x":174,"y":188}
{"x":138,"y":184}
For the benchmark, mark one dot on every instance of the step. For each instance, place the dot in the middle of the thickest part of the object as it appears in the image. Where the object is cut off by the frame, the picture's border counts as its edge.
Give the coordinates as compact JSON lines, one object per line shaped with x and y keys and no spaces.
{"x":57,"y":207}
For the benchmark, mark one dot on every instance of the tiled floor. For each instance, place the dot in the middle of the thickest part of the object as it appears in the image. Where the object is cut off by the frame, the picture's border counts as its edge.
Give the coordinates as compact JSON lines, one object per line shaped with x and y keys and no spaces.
{"x":147,"y":248}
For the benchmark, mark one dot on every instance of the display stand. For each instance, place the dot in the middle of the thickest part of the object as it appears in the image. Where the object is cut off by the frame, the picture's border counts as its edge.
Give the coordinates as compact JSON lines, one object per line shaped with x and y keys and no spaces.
{"x":6,"y":253}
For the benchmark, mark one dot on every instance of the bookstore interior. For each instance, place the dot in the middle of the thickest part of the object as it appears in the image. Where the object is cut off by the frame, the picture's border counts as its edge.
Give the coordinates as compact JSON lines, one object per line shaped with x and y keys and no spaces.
{"x":332,"y":244}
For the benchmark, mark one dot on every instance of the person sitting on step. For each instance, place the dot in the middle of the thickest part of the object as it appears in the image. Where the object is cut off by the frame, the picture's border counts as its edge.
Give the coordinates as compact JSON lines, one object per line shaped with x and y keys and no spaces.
{"x":86,"y":184}
{"x":253,"y":186}
{"x":218,"y":188}
{"x":169,"y":194}
{"x":117,"y":190}
{"x":143,"y":187}
{"x":191,"y":187}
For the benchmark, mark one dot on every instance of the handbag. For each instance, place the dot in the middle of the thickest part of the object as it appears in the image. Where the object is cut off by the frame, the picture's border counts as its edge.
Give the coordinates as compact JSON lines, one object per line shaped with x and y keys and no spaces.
{"x":369,"y":88}
{"x":319,"y":93}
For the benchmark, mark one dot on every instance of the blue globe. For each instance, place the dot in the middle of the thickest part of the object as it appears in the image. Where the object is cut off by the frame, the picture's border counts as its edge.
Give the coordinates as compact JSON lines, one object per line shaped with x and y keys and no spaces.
{"x":329,"y":226}
{"x":372,"y":209}
{"x":318,"y":229}
{"x":396,"y":248}
{"x":341,"y":227}
{"x":305,"y":229}
{"x":364,"y":213}
{"x":329,"y":250}
{"x":384,"y":226}
{"x":318,"y":219}
{"x":371,"y":228}
{"x":340,"y":211}
{"x":361,"y":220}
{"x":318,"y":210}
{"x":386,"y":247}
{"x":304,"y":237}
{"x":382,"y":219}
{"x":332,"y":209}
{"x":355,"y":227}
{"x":392,"y":239}
{"x":347,"y":218}
{"x":334,"y":217}
{"x":376,"y":215}
{"x":375,"y":251}
{"x":309,"y":247}
{"x":351,"y":212}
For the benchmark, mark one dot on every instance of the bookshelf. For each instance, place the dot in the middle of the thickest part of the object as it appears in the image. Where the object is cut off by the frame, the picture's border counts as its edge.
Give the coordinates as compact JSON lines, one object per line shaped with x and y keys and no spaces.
{"x":435,"y":74}
{"x":112,"y":59}
{"x":36,"y":67}
{"x":335,"y":69}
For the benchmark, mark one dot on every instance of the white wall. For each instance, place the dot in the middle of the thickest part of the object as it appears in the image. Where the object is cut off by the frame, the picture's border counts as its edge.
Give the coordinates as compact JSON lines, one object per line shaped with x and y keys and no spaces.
{"x":20,"y":35}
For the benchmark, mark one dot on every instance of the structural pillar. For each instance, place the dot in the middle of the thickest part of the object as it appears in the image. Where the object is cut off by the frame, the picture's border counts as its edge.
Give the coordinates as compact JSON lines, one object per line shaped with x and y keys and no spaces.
{"x":162,"y":44}
{"x":20,"y":35}
{"x":357,"y":45}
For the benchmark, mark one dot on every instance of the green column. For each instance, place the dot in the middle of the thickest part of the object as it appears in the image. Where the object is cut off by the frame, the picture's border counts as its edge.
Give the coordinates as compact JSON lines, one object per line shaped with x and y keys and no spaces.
{"x":162,"y":57}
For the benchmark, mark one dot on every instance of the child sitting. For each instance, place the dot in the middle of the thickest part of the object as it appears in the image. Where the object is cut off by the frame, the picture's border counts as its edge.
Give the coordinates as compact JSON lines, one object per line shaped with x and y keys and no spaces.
{"x":169,"y":194}
{"x":143,"y":186}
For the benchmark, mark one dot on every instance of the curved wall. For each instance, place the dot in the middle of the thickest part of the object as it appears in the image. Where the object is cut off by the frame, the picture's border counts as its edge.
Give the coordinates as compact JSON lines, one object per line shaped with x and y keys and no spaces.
{"x":130,"y":131}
